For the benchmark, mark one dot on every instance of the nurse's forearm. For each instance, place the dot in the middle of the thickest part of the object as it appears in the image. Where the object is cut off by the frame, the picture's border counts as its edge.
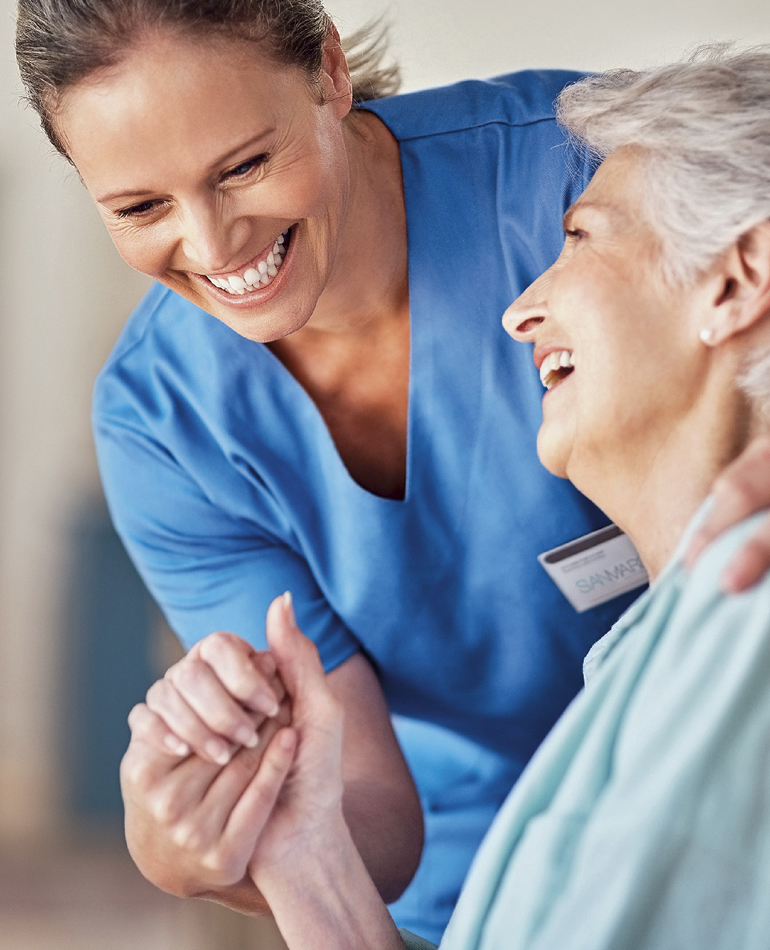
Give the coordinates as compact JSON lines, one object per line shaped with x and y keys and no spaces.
{"x":327,"y":901}
{"x":387,"y":827}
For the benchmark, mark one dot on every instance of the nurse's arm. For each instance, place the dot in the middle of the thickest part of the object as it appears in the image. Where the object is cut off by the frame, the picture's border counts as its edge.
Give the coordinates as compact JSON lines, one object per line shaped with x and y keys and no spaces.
{"x":380,"y":804}
{"x":742,"y":489}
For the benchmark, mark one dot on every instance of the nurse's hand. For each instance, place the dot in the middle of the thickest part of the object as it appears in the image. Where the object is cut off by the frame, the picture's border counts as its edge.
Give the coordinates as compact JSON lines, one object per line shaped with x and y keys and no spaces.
{"x":213,"y":701}
{"x":742,"y":489}
{"x":192,"y":825}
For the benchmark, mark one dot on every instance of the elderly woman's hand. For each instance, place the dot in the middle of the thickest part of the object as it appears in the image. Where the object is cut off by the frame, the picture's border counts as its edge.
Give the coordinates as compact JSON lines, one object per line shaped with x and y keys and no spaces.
{"x":742,"y":489}
{"x":212,"y":701}
{"x":192,"y":825}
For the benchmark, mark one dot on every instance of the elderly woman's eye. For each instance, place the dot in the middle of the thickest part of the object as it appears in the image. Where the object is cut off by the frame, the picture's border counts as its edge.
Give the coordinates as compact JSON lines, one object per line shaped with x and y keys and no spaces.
{"x":245,"y":167}
{"x":575,"y":233}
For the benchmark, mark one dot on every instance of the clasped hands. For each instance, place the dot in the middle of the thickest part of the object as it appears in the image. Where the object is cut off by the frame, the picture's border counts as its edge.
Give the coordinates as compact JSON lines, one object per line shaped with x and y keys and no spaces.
{"x":234,"y":766}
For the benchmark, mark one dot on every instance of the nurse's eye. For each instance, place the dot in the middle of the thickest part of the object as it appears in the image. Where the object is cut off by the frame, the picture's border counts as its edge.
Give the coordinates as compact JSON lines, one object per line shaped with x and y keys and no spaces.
{"x":242,"y":170}
{"x":143,"y":209}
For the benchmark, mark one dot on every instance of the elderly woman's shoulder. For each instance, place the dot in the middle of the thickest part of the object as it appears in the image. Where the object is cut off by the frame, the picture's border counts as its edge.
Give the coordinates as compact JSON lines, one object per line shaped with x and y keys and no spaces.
{"x":705,"y":630}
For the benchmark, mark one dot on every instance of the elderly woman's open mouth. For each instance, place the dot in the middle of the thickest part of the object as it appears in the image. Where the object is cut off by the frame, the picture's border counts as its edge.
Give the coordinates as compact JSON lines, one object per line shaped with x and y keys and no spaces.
{"x":557,"y":366}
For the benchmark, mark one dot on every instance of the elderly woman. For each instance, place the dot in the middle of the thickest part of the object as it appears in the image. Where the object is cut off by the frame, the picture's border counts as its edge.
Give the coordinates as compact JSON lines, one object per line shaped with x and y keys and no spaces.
{"x":643,"y":821}
{"x":316,"y":395}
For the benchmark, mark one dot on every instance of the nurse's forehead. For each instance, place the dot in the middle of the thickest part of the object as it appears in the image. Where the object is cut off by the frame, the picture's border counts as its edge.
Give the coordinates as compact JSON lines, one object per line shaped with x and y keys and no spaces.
{"x":177,"y":90}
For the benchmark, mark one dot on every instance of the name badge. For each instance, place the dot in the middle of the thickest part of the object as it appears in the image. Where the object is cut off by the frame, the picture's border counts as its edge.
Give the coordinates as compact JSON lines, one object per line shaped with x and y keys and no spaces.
{"x":595,"y":568}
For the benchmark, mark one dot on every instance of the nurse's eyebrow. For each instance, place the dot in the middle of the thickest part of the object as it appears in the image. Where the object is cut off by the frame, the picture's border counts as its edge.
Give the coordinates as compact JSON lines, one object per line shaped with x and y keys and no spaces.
{"x":223,"y":159}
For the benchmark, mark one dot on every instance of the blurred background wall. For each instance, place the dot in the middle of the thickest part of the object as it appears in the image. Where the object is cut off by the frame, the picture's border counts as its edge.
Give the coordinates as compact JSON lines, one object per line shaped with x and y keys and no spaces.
{"x":65,"y":591}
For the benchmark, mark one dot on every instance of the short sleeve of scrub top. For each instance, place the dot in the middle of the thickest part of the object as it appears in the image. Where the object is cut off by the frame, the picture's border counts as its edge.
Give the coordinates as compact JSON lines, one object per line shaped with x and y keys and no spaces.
{"x":227,"y":489}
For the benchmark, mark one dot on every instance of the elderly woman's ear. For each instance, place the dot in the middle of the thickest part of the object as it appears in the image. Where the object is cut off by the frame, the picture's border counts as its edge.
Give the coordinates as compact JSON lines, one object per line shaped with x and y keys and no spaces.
{"x":739,"y":288}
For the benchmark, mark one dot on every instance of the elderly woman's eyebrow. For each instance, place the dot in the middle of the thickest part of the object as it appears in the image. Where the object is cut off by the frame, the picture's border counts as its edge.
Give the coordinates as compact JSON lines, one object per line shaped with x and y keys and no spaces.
{"x":608,"y":210}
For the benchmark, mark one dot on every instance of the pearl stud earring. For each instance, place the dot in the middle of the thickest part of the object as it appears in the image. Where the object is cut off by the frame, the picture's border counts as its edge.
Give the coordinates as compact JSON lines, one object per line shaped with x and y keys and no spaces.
{"x":706,"y":335}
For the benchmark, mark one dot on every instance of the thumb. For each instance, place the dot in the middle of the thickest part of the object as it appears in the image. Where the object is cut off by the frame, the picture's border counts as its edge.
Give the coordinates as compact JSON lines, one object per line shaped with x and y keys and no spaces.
{"x":295,"y":655}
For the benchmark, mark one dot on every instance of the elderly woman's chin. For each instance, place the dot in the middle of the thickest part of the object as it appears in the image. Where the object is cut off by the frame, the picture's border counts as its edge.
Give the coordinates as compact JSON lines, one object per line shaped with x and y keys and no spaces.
{"x":554,"y":446}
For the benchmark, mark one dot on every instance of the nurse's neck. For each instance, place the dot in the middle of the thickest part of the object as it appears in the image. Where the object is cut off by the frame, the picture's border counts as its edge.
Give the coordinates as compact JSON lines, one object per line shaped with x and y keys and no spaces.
{"x":368,"y":285}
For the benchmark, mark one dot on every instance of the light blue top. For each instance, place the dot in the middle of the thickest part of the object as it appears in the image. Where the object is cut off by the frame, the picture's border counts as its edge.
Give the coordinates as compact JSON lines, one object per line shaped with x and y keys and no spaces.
{"x":643,"y":821}
{"x":227,"y":488}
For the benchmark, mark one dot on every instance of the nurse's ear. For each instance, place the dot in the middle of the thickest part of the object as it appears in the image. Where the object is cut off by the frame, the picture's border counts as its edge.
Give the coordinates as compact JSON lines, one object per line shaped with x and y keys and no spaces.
{"x":335,"y":82}
{"x":739,"y":288}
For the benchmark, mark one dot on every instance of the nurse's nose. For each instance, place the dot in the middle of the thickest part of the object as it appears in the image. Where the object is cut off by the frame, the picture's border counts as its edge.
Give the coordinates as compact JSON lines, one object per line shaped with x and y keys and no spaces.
{"x":210,"y":238}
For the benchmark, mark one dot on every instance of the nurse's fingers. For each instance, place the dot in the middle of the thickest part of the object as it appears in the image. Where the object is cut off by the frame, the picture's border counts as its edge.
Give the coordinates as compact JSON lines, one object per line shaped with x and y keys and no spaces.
{"x":742,"y":489}
{"x":203,"y":829}
{"x":204,"y":692}
{"x":247,"y":674}
{"x":165,"y":700}
{"x":148,"y":727}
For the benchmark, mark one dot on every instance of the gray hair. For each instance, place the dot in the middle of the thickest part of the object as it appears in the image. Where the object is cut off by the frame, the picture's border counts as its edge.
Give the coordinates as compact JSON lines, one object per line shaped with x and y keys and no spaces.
{"x":703,"y":125}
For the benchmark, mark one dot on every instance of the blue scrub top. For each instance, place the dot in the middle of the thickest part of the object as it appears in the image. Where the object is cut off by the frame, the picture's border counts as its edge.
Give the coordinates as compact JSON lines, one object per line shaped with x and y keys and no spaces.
{"x":227,"y":488}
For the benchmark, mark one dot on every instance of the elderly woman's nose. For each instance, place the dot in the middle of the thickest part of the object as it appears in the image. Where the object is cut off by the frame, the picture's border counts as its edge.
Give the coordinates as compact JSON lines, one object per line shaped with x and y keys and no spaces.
{"x":527,"y":312}
{"x":522,"y":319}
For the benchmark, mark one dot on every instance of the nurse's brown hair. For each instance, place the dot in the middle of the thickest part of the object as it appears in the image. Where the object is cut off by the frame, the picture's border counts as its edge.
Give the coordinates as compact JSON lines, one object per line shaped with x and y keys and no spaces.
{"x":61,"y":42}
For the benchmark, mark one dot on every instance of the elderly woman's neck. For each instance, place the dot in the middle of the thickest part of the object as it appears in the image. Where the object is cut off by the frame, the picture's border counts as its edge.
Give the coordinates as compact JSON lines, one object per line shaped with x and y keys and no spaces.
{"x":652,"y":491}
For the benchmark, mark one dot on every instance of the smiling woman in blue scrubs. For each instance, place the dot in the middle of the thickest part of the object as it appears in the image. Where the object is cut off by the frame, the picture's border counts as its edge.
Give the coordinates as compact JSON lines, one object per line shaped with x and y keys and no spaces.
{"x":318,"y":395}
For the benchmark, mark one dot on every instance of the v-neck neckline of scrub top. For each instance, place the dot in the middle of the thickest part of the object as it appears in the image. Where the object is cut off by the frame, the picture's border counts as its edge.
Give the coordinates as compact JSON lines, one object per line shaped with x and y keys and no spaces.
{"x":411,"y":382}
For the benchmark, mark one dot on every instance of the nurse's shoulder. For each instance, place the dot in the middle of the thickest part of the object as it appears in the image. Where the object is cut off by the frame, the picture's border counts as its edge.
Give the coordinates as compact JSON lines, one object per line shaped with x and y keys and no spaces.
{"x":514,"y":99}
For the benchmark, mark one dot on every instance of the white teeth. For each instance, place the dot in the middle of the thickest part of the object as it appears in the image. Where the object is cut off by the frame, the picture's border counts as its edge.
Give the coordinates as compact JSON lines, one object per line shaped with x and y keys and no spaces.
{"x":259,"y":276}
{"x":556,"y":360}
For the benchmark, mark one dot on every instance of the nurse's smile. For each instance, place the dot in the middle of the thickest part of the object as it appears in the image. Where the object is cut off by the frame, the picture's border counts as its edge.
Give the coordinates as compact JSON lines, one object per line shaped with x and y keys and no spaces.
{"x":258,"y":273}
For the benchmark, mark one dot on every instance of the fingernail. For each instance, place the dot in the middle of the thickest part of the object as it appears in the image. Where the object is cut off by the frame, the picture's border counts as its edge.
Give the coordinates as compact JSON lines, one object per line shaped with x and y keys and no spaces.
{"x":176,"y":746}
{"x":218,"y":752}
{"x":246,"y":736}
{"x":288,"y":606}
{"x":268,"y":706}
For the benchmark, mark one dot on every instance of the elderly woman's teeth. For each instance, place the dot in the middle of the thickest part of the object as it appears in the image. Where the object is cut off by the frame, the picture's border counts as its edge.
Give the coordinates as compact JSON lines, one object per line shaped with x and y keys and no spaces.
{"x":254,"y":277}
{"x":555,"y":367}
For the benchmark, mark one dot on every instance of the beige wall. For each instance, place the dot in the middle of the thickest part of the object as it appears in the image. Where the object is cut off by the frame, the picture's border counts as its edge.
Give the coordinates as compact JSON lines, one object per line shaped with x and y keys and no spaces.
{"x":65,"y":295}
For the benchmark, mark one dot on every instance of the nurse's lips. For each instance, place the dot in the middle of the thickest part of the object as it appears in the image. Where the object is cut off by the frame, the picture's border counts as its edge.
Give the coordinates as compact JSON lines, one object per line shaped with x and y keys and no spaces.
{"x":255,"y":275}
{"x":554,"y":365}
